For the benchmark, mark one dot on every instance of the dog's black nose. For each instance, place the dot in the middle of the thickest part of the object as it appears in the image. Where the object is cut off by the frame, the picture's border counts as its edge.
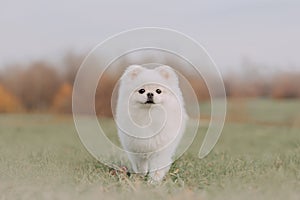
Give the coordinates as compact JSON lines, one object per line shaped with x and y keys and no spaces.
{"x":149,"y":95}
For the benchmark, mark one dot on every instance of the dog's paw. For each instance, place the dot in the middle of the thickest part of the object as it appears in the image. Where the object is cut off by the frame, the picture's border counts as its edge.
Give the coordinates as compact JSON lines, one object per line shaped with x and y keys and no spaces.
{"x":156,"y":177}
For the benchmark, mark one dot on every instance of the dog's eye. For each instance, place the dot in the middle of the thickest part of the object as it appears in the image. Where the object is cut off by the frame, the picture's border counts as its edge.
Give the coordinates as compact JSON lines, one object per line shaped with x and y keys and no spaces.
{"x":158,"y":91}
{"x":141,"y":91}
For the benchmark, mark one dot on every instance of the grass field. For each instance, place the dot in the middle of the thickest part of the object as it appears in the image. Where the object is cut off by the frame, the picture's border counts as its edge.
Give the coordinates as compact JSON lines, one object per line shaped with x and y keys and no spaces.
{"x":257,"y":157}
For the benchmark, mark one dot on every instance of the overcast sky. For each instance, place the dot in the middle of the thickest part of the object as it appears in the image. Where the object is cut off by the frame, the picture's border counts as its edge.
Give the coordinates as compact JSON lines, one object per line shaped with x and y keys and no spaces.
{"x":265,"y":31}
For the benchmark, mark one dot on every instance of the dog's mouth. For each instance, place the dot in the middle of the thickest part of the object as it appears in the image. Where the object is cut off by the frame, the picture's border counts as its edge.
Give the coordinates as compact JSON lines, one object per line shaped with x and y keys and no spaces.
{"x":149,"y":102}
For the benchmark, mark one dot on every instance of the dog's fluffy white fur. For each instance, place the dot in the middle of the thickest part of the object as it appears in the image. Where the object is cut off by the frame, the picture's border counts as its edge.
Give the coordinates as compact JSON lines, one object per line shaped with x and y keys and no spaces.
{"x":151,"y":118}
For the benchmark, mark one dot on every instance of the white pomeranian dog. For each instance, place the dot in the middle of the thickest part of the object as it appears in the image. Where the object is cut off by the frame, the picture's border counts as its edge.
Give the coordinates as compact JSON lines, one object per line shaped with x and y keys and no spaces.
{"x":151,"y":118}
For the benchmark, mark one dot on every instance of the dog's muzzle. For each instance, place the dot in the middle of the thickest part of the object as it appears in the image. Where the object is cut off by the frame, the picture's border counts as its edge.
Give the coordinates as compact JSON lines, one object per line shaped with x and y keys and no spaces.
{"x":149,"y":98}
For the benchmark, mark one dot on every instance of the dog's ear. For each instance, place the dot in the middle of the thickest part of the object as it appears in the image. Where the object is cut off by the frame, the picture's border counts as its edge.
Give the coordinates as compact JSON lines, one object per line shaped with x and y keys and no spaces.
{"x":133,"y":71}
{"x":167,"y":73}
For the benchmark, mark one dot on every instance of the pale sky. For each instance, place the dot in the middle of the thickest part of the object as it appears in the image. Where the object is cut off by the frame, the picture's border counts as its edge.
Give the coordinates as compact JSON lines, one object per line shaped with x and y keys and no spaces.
{"x":265,"y":31}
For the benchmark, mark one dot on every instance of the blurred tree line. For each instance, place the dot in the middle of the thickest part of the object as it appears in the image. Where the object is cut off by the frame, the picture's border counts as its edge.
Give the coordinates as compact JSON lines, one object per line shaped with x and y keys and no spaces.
{"x":43,"y":87}
{"x":39,"y":86}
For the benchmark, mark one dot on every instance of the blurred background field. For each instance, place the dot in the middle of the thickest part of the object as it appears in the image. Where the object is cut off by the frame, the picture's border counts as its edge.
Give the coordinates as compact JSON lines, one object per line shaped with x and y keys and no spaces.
{"x":42,"y":157}
{"x":255,"y":44}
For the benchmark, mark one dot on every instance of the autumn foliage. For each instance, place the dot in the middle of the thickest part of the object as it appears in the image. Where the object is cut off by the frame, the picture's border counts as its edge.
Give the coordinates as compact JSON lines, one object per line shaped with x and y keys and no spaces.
{"x":44,"y":87}
{"x":8,"y":102}
{"x":62,"y":101}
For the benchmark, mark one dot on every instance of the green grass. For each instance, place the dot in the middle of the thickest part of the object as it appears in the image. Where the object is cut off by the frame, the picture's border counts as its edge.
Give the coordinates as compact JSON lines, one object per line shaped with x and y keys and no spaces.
{"x":258,"y":157}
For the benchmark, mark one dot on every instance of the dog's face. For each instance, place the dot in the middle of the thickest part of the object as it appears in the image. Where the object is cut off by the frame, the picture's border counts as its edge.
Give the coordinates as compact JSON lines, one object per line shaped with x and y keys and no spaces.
{"x":150,"y":94}
{"x":149,"y":86}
